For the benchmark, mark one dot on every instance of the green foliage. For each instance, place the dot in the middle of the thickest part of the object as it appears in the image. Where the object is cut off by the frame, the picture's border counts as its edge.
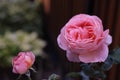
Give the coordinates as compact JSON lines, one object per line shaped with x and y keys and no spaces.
{"x":20,"y":14}
{"x":6,"y":55}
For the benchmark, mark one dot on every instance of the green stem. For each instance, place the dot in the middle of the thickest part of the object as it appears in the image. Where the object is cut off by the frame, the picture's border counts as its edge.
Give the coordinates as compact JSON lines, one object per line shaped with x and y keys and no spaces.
{"x":33,"y":69}
{"x":29,"y":78}
{"x":28,"y":75}
{"x":19,"y":77}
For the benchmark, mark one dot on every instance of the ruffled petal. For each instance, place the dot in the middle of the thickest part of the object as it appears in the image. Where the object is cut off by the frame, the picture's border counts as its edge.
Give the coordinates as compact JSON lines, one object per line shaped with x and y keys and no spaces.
{"x":21,"y":68}
{"x":31,"y":55}
{"x":98,"y":55}
{"x":62,"y":42}
{"x":14,"y":70}
{"x":73,"y":57}
{"x":108,"y":38}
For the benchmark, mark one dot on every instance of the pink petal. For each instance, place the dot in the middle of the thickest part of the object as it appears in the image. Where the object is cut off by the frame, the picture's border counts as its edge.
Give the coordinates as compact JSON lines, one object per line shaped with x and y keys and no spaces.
{"x":21,"y":56}
{"x":21,"y":68}
{"x":97,"y":19}
{"x":98,"y":55}
{"x":78,"y":19}
{"x":62,"y":42}
{"x":14,"y":70}
{"x":108,"y":40}
{"x":106,"y":32}
{"x":73,"y":57}
{"x":98,"y":23}
{"x":31,"y":55}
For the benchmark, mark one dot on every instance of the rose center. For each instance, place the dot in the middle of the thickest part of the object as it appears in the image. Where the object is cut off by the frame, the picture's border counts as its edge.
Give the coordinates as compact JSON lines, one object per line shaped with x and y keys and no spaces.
{"x":82,"y":31}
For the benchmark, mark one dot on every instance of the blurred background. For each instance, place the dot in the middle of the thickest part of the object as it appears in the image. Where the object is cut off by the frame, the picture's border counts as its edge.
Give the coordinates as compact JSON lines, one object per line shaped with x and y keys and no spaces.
{"x":35,"y":24}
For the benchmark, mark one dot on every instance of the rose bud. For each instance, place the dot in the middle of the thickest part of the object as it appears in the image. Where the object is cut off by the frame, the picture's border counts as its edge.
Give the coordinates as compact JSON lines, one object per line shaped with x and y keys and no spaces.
{"x":23,"y":62}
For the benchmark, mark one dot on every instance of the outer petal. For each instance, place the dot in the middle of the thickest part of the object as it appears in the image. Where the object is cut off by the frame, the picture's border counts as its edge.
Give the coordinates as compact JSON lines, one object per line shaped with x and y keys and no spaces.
{"x":108,"y":38}
{"x":73,"y":57}
{"x":21,"y":68}
{"x":62,"y":42}
{"x":98,"y":55}
{"x":31,"y":55}
{"x":78,"y":19}
{"x":98,"y":23}
{"x":14,"y":70}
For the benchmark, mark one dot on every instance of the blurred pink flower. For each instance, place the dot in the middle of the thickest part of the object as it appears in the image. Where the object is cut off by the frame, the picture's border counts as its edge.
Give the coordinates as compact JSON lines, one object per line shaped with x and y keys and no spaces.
{"x":84,"y":40}
{"x":23,"y":62}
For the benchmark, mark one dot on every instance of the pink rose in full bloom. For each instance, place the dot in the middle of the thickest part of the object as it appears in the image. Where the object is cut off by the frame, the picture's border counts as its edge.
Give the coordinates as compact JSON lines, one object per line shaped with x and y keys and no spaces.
{"x":84,"y":40}
{"x":23,"y":62}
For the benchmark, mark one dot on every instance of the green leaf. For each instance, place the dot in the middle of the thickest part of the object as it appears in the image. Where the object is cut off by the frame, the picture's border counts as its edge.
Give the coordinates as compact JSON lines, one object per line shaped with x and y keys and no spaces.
{"x":87,"y":69}
{"x":73,"y":74}
{"x":115,"y":55}
{"x":99,"y":74}
{"x":28,"y":75}
{"x":54,"y":77}
{"x":93,"y":70}
{"x":84,"y":76}
{"x":107,"y":65}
